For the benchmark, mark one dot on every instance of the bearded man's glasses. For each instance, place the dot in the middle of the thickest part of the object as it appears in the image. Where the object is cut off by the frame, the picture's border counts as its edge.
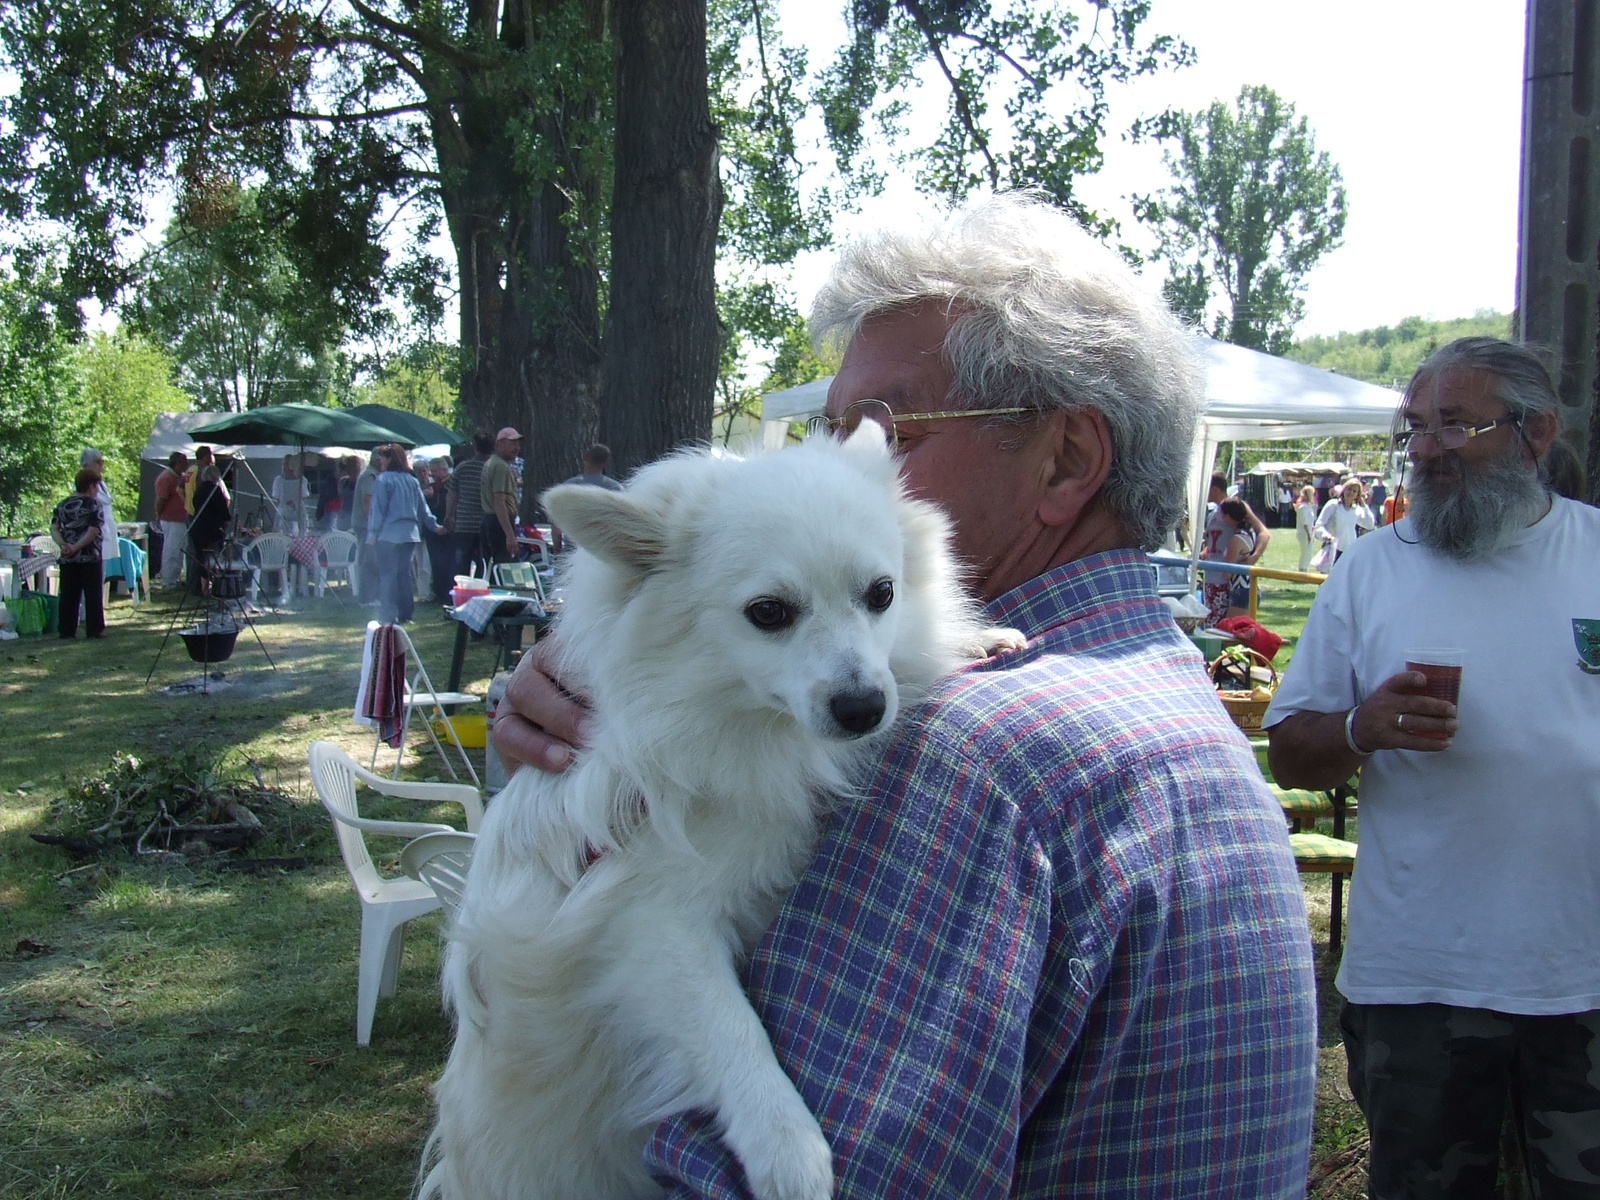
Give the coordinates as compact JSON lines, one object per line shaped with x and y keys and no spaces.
{"x":1447,"y":437}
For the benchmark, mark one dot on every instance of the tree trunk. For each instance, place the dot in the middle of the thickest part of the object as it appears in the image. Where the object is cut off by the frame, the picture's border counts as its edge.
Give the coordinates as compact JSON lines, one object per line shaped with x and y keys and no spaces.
{"x":528,"y":258}
{"x":662,"y":336}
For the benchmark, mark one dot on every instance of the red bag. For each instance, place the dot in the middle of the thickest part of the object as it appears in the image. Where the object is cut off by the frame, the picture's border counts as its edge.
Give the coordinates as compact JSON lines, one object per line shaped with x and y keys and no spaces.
{"x":1258,"y":637}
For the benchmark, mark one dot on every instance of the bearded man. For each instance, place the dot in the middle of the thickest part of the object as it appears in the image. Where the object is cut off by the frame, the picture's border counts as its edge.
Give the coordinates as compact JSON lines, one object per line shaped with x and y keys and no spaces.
{"x":1472,"y":971}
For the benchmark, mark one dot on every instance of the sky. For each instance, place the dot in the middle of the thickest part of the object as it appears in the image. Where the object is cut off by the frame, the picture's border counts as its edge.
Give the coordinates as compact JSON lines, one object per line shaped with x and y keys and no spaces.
{"x":1419,"y":102}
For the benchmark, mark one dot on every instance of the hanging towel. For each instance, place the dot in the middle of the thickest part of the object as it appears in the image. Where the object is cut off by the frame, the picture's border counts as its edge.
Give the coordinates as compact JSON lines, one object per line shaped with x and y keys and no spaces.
{"x":132,"y":567}
{"x":381,"y":700}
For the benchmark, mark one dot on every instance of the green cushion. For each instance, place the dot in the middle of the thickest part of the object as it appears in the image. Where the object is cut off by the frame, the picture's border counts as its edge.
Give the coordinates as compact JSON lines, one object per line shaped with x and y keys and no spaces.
{"x":1317,"y":852}
{"x":1301,"y":804}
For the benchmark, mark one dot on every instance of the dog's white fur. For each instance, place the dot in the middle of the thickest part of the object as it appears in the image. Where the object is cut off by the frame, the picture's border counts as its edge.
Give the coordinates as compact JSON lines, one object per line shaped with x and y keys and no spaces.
{"x":593,"y":998}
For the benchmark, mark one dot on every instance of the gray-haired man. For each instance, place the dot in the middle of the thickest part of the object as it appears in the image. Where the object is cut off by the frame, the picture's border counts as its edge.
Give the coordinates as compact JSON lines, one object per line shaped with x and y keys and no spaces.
{"x":1056,"y":945}
{"x":1472,"y":971}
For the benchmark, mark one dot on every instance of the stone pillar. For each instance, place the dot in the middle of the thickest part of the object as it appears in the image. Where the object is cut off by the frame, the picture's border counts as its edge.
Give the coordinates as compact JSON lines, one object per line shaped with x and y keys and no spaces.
{"x":1558,"y":269}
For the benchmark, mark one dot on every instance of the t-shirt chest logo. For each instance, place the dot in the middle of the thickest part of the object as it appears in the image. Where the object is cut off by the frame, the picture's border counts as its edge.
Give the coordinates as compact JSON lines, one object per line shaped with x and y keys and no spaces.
{"x":1586,"y":633}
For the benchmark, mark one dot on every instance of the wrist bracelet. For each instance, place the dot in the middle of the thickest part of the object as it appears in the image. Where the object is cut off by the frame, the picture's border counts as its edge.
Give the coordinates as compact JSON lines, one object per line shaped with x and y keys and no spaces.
{"x":1350,"y":737}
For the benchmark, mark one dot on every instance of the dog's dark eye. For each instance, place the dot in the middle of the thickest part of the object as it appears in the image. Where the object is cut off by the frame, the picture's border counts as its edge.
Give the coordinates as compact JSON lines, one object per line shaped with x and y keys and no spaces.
{"x":880,"y":595}
{"x":768,"y":613}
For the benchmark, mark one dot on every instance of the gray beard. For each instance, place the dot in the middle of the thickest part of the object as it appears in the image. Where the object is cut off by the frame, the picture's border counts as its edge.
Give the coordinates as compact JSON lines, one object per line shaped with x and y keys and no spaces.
{"x":1477,"y":511}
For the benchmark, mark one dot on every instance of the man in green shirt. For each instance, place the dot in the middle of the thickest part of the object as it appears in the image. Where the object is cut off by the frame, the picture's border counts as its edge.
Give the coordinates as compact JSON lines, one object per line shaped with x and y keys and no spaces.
{"x":500,"y":489}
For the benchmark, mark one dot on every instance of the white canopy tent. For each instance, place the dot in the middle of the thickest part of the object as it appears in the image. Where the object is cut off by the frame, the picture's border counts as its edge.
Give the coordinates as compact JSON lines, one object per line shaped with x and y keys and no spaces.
{"x":1249,"y":395}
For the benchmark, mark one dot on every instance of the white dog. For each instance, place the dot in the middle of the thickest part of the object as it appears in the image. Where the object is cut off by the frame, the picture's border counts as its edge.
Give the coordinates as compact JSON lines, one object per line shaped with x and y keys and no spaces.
{"x":743,"y":628}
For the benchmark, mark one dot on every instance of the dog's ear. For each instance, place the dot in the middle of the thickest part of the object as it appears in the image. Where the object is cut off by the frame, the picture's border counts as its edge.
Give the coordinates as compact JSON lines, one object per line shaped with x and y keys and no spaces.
{"x":614,"y":526}
{"x":868,"y":439}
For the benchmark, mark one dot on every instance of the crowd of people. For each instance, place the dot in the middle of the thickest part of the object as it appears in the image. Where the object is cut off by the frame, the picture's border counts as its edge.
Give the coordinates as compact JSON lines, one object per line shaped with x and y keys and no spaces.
{"x":1234,"y":533}
{"x":464,"y":515}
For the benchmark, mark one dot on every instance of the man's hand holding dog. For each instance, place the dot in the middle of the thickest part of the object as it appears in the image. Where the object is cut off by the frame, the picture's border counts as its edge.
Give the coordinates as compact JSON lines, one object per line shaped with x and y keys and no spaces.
{"x":540,"y":723}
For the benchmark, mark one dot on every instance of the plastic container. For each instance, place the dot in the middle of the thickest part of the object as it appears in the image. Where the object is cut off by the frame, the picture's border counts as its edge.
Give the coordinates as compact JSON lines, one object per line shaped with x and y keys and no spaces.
{"x":471,"y":729}
{"x":467,"y":586}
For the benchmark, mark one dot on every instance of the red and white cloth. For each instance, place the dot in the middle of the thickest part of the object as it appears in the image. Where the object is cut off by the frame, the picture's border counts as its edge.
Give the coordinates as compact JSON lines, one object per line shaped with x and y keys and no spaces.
{"x":381,"y":696}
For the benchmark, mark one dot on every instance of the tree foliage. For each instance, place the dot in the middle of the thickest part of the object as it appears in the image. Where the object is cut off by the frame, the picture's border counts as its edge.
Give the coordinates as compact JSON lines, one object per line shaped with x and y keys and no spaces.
{"x":361,"y":129}
{"x":1253,"y":207}
{"x":41,"y":423}
{"x":421,"y":379}
{"x":123,"y":382}
{"x":230,"y":304}
{"x":1387,"y":355}
{"x":1025,"y":88}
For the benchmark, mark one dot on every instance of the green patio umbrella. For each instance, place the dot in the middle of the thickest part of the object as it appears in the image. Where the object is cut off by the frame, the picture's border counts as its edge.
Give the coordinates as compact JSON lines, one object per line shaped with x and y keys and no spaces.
{"x":420,"y":430}
{"x":306,"y":424}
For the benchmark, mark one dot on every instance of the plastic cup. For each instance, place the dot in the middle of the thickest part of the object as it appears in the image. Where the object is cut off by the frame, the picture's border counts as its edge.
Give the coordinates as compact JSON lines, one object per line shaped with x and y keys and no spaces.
{"x":1442,"y":667}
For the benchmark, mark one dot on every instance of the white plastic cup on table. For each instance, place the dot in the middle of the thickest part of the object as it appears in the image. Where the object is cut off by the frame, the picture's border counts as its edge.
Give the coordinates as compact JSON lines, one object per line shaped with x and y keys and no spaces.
{"x":1442,"y":666}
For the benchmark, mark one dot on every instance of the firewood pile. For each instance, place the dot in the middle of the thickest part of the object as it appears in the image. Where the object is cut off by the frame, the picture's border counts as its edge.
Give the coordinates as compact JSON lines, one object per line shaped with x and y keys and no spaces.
{"x":167,"y":808}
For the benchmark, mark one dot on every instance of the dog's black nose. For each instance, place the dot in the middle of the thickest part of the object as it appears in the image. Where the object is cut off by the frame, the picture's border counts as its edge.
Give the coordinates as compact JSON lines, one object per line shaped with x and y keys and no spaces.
{"x":859,"y":712}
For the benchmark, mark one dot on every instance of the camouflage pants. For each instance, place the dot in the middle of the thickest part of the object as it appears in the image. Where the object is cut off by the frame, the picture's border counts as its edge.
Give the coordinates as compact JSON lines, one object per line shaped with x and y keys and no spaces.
{"x":1433,"y":1082}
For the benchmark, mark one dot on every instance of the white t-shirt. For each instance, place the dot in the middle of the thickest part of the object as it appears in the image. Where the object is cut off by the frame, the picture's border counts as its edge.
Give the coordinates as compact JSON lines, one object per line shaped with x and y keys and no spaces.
{"x":1340,"y":523}
{"x":290,"y":495}
{"x":1478,"y":879}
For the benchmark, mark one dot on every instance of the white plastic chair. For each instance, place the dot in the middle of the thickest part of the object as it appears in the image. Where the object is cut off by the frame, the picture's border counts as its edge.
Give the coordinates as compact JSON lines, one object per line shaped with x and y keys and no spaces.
{"x":386,"y":904}
{"x":536,"y":549}
{"x":337,"y":551}
{"x":420,"y":693}
{"x":269,"y":552}
{"x":440,"y":860}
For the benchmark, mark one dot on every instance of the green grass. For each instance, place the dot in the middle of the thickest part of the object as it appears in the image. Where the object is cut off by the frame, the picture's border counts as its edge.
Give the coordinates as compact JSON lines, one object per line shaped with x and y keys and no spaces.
{"x":191,"y":1032}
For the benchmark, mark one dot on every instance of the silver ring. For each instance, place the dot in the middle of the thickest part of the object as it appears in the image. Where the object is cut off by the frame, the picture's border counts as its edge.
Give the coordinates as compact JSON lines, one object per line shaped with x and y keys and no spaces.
{"x":1399,"y":720}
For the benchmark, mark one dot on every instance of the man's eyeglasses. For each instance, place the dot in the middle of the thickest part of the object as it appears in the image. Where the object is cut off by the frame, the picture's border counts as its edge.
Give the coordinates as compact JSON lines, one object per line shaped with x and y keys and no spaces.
{"x":878,"y":411}
{"x":1448,"y":437}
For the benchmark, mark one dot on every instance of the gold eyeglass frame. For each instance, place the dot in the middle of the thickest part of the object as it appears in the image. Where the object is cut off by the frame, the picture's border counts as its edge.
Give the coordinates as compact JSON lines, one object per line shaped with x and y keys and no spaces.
{"x":831,"y":425}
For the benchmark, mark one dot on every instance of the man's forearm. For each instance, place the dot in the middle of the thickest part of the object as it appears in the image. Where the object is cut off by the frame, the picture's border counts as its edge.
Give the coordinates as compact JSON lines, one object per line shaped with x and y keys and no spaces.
{"x":1308,"y":750}
{"x":503,"y":515}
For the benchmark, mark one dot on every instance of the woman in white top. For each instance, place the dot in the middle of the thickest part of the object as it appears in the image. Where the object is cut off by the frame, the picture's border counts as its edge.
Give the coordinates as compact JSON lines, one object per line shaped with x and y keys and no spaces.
{"x":1305,"y":520}
{"x":289,"y":493}
{"x":1344,"y":519}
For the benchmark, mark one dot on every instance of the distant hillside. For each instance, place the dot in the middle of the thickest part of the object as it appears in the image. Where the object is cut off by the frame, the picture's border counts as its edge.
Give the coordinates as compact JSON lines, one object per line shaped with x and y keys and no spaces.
{"x":1388,"y":355}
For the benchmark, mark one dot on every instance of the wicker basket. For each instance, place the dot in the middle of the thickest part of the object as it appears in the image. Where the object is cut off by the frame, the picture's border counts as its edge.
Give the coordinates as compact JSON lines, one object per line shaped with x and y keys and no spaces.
{"x":1243,"y":706}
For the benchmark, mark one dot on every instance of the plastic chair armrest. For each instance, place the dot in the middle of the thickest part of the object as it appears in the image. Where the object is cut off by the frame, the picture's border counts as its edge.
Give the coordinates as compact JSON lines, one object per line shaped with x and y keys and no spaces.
{"x":405,"y":829}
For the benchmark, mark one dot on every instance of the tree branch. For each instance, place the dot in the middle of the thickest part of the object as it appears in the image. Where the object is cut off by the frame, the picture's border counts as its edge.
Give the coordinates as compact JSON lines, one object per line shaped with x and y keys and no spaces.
{"x":393,"y":55}
{"x":422,"y":37}
{"x":963,"y":108}
{"x":1038,"y":81}
{"x":376,"y":114}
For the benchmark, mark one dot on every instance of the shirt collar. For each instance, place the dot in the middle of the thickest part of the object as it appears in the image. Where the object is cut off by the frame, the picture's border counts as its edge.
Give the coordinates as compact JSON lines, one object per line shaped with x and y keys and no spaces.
{"x":1074,"y":589}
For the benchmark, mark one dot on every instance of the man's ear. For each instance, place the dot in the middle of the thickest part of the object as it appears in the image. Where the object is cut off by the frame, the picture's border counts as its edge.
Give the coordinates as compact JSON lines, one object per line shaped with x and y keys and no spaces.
{"x":1540,"y":428}
{"x":1081,"y":448}
{"x":614,"y":526}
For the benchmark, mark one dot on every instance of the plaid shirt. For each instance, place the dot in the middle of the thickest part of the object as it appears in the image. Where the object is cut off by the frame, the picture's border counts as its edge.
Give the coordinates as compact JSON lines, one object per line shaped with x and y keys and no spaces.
{"x":1059,"y":947}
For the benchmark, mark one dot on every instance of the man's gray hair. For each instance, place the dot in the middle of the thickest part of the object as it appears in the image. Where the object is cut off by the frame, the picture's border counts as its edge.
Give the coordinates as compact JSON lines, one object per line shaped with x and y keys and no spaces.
{"x":1042,"y":316}
{"x":90,"y":455}
{"x":1524,"y":385}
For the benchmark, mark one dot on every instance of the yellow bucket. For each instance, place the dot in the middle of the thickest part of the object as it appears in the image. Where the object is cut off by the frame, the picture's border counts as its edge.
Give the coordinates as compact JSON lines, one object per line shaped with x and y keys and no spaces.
{"x":471,"y":728}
